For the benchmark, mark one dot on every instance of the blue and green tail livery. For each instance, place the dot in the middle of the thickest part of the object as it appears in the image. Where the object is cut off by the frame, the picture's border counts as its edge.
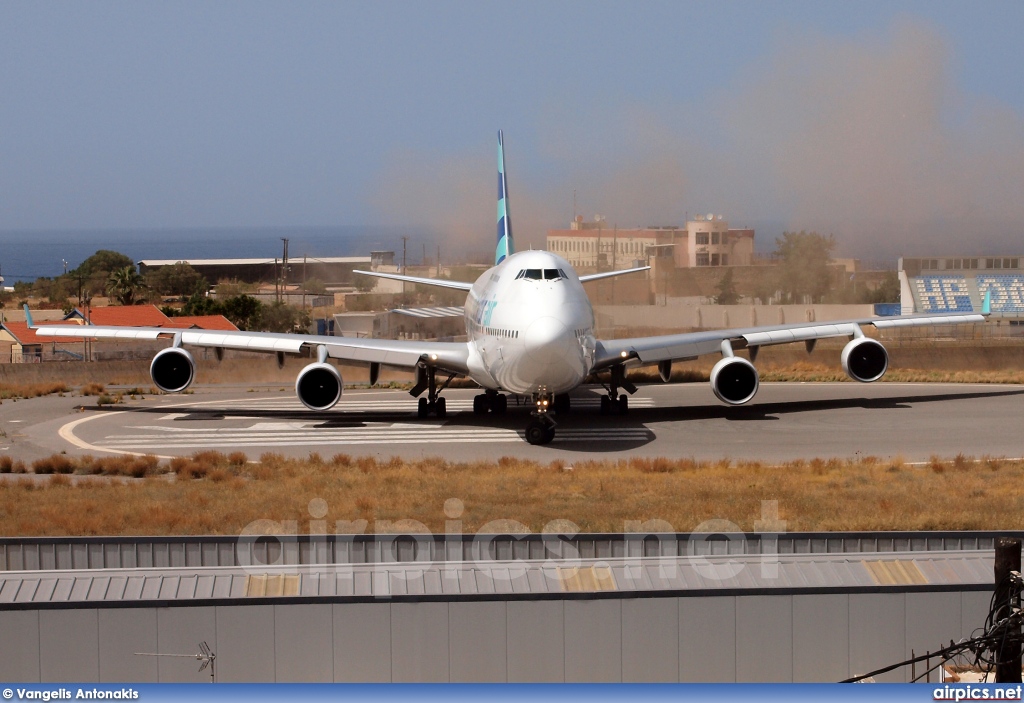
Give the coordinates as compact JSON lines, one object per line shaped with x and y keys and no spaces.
{"x":505,"y":244}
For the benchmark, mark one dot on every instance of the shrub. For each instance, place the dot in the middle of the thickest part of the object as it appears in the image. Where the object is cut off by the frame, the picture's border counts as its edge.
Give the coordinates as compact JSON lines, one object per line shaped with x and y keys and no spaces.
{"x":6,"y":464}
{"x":56,"y":464}
{"x":93,"y":389}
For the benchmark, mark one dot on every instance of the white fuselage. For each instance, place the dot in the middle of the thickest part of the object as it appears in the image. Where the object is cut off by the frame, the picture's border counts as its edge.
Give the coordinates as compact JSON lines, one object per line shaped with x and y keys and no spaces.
{"x":530,"y":332}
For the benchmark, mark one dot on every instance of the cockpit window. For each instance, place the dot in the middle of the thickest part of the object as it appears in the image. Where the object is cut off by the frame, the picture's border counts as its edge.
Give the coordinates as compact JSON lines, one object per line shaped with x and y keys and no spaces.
{"x":541,"y":274}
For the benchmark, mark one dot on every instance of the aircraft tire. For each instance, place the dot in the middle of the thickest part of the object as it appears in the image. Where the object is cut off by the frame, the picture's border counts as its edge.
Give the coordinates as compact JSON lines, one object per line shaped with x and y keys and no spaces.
{"x":500,"y":404}
{"x":441,"y":408}
{"x":623,"y":404}
{"x":538,"y":432}
{"x":478,"y":405}
{"x":422,"y":408}
{"x":606,"y":404}
{"x":562,"y":404}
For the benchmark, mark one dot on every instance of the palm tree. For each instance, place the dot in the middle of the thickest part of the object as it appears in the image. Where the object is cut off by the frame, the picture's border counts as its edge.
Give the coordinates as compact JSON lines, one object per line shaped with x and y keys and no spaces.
{"x":124,"y":284}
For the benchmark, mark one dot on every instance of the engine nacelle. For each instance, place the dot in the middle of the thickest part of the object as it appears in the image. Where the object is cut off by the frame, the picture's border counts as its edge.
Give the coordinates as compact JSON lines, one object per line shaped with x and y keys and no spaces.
{"x":319,"y":386}
{"x":865,"y":360}
{"x":172,"y":370}
{"x":734,"y":380}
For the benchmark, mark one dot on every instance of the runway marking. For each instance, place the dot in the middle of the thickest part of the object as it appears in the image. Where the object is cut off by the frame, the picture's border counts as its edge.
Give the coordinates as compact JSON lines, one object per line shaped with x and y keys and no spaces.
{"x":67,"y":433}
{"x":134,"y":445}
{"x":399,"y":405}
{"x":275,"y":434}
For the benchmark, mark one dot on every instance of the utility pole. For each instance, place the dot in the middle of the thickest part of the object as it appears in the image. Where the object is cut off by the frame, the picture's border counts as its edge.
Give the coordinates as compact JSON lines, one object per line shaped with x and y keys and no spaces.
{"x":304,"y":282}
{"x":438,"y":260}
{"x":405,"y":240}
{"x":615,"y":251}
{"x":1007,"y":600}
{"x":284,"y":266}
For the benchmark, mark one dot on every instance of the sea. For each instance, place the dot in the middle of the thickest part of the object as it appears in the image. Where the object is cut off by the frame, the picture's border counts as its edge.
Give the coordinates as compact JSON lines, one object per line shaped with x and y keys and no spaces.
{"x":26,"y":255}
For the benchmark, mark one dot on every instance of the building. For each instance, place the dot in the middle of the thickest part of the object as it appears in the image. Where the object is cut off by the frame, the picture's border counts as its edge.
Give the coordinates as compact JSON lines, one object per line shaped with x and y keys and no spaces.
{"x":960,"y":283}
{"x":19,"y":344}
{"x":706,"y":240}
{"x":331,"y":270}
{"x":637,"y":607}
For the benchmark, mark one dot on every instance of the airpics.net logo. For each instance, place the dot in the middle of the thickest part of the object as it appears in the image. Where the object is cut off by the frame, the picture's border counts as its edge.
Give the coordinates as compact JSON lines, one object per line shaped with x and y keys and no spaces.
{"x":978,"y":693}
{"x":720,"y":563}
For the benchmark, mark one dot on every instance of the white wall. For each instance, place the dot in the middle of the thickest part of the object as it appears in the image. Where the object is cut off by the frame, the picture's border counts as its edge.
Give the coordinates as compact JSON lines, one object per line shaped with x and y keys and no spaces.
{"x":803,"y":637}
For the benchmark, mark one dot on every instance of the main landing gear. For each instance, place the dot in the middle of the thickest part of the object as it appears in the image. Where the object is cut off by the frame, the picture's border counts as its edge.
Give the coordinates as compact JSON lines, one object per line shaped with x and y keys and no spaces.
{"x":541,"y":429}
{"x":426,"y":379}
{"x":610,"y":404}
{"x":491,"y":401}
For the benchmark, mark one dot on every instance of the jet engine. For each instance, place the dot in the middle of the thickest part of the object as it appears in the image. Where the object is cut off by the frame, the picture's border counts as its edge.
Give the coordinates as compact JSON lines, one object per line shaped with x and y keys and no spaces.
{"x":319,"y":386}
{"x":734,"y":380}
{"x":172,"y":370}
{"x":865,"y":360}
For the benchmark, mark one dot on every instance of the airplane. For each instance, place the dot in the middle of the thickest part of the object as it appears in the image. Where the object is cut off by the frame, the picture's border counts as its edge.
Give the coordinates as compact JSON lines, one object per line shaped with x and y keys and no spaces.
{"x":530,"y":332}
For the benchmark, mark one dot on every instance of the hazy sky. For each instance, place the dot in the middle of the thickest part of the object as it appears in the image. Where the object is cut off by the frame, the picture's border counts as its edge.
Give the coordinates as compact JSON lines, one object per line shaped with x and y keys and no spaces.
{"x":899,"y":127}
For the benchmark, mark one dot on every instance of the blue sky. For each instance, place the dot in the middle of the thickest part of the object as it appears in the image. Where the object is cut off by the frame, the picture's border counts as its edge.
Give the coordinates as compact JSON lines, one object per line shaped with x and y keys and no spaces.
{"x":893,"y":125}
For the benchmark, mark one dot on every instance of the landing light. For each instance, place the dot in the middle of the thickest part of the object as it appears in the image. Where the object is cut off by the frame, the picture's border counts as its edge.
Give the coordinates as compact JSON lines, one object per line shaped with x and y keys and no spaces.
{"x":433,"y":357}
{"x":623,"y":354}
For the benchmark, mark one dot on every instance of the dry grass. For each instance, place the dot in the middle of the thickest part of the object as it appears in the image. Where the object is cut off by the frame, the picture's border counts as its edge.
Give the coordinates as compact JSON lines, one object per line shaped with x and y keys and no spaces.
{"x":210,"y":493}
{"x":32,"y":390}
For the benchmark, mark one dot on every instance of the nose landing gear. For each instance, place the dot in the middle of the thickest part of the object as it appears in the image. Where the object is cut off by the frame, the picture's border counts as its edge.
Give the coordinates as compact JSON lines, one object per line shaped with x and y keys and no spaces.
{"x":541,"y":429}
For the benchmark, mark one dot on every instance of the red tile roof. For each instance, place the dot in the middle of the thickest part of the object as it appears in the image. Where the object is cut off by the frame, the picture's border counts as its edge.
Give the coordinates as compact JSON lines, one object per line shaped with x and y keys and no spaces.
{"x":203,"y":322}
{"x":21,"y":332}
{"x":128,"y":316}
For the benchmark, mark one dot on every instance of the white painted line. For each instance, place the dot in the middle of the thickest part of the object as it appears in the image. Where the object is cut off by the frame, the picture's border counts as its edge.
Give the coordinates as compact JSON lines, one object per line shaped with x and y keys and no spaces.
{"x":67,"y":433}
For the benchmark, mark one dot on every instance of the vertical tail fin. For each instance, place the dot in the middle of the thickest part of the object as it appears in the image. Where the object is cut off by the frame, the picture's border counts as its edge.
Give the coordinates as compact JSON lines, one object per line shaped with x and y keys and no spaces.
{"x":505,"y":244}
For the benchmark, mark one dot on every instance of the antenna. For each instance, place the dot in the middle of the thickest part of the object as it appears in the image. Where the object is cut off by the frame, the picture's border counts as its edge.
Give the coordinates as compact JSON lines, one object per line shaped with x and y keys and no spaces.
{"x":204,"y":655}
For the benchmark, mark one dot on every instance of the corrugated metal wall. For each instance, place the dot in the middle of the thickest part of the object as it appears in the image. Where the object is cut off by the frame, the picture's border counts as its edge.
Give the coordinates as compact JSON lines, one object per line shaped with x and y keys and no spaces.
{"x":802,"y":637}
{"x":17,"y":554}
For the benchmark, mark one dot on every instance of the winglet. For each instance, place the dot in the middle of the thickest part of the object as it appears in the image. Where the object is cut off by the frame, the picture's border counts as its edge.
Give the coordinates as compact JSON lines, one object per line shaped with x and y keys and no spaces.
{"x":986,"y":305}
{"x":28,"y":318}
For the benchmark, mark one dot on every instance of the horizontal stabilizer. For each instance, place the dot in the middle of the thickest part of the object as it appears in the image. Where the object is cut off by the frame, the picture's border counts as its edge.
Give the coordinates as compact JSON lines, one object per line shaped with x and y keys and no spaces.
{"x":440,"y":282}
{"x":455,"y":311}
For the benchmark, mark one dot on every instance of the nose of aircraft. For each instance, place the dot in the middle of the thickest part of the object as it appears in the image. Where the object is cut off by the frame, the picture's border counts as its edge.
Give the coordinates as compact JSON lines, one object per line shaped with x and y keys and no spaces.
{"x":553,"y":359}
{"x":546,"y":340}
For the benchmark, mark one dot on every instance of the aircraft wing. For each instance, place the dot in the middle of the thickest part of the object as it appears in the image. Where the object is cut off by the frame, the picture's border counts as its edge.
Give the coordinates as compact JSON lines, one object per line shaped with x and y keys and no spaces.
{"x":439,"y":282}
{"x":690,"y":345}
{"x":609,"y":274}
{"x":402,"y":353}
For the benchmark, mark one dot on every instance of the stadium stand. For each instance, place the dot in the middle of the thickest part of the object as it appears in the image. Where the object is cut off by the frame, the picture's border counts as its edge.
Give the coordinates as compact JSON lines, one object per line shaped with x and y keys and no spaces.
{"x":944,"y":294}
{"x":1007,"y":291}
